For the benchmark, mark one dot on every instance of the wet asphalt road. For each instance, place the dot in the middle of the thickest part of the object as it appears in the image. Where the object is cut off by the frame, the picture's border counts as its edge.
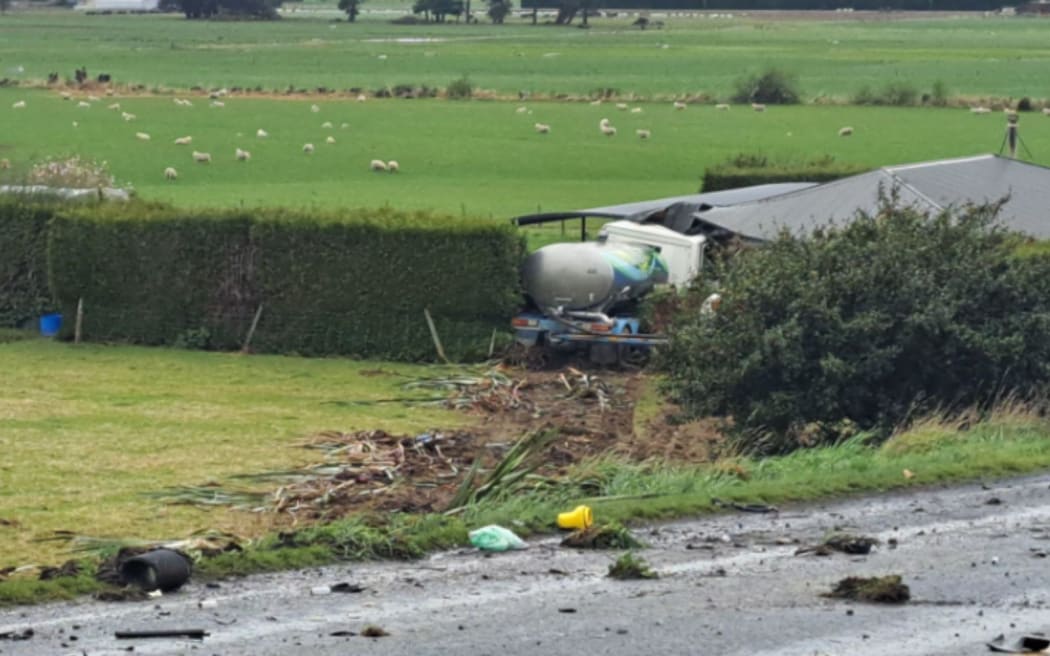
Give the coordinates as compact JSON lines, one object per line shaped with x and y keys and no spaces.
{"x":730,"y":584}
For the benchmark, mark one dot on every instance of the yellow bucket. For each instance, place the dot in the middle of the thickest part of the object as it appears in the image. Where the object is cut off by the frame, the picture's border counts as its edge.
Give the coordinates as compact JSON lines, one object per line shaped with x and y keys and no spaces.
{"x":578,"y":518}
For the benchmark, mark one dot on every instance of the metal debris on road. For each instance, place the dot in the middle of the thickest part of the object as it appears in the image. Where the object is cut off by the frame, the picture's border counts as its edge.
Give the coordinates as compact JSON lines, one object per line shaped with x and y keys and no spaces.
{"x":843,"y":543}
{"x":192,"y":634}
{"x":1032,"y":643}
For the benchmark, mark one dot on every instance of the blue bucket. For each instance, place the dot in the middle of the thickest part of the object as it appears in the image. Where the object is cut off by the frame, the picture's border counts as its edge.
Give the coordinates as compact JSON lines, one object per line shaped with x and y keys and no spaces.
{"x":50,"y":324}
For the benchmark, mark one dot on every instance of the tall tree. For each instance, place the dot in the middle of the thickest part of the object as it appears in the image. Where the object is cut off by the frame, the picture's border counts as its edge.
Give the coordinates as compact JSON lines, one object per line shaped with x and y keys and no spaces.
{"x":499,"y":9}
{"x":351,"y":7}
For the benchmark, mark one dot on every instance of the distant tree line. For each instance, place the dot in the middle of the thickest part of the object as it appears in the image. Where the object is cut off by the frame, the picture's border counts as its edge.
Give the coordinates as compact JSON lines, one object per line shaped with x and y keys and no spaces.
{"x":576,"y":6}
{"x":261,"y":9}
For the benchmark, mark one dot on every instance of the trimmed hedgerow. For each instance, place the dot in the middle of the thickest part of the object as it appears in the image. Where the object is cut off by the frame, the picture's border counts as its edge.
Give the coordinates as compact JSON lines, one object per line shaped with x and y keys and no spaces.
{"x":24,"y":293}
{"x":358,"y":283}
{"x":744,"y":170}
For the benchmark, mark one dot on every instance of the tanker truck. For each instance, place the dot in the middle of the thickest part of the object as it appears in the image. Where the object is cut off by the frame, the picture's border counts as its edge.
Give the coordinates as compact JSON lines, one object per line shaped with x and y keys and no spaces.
{"x":583,"y":296}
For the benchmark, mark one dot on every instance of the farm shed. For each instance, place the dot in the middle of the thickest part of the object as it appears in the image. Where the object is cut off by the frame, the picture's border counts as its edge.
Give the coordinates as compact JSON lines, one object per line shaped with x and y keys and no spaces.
{"x":759,"y":213}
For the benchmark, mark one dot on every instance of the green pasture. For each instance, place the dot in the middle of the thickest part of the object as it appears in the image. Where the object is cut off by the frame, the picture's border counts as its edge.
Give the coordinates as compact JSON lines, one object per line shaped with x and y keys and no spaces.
{"x":87,"y":430}
{"x":476,"y":157}
{"x":972,"y":56}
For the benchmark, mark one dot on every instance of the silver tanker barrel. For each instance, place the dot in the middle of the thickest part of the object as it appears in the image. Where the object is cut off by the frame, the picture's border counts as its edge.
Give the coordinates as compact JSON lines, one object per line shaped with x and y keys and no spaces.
{"x":591,"y":276}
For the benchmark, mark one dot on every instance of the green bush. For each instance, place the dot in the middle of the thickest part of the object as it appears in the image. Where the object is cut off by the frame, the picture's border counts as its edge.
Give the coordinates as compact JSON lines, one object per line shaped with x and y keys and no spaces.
{"x":460,"y":89}
{"x":895,"y":94}
{"x":155,"y":275}
{"x":773,"y":86}
{"x":24,"y":293}
{"x":357,"y":284}
{"x":745,"y":169}
{"x":864,"y":327}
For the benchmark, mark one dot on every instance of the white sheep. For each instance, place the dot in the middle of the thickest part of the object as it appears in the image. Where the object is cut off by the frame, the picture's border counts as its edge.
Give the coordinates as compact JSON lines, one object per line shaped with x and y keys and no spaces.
{"x":722,"y":107}
{"x":93,"y":98}
{"x":314,"y":108}
{"x":980,"y":110}
{"x":330,"y":140}
{"x":327,"y":125}
{"x":595,"y":103}
{"x":183,"y":141}
{"x":621,"y":106}
{"x":21,"y":104}
{"x":344,"y":126}
{"x":542,"y":128}
{"x":66,"y":95}
{"x":83,"y":104}
{"x":1046,"y":111}
{"x":127,"y":116}
{"x":142,"y":136}
{"x":636,"y":110}
{"x":609,"y":131}
{"x":262,"y":134}
{"x":522,"y":109}
{"x":242,"y":155}
{"x":202,"y":158}
{"x":643,"y":134}
{"x":758,"y":107}
{"x":393,"y":166}
{"x":604,"y":123}
{"x":308,"y":148}
{"x":170,"y":173}
{"x":845,"y":131}
{"x":183,"y":103}
{"x":75,"y":124}
{"x":114,"y":106}
{"x":218,"y":103}
{"x":679,"y":105}
{"x":377,"y":165}
{"x":361,"y":97}
{"x":5,"y":164}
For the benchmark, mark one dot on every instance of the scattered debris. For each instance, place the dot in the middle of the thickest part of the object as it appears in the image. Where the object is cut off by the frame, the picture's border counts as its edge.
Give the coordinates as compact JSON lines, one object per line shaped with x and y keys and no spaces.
{"x":128,"y":593}
{"x":843,"y":543}
{"x":1026,"y":644}
{"x":192,"y":634}
{"x":496,"y":538}
{"x":348,"y":588}
{"x":24,"y":634}
{"x":67,"y":569}
{"x":578,"y":518}
{"x":567,"y":610}
{"x":993,"y":501}
{"x":877,"y":589}
{"x":604,"y":536}
{"x":343,"y":634}
{"x":629,"y":566}
{"x":744,"y":507}
{"x":373,"y":631}
{"x":159,"y":569}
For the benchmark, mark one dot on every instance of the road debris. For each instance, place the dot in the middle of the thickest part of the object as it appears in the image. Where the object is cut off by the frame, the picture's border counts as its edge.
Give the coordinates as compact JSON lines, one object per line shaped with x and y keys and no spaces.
{"x":628,"y":566}
{"x":578,"y":518}
{"x":604,"y":536}
{"x":373,"y":631}
{"x":159,"y":569}
{"x":744,"y":507}
{"x":192,"y":634}
{"x":67,"y":569}
{"x":348,"y":588}
{"x":496,"y":538}
{"x":24,"y":634}
{"x":877,"y":589}
{"x":1031,"y":643}
{"x":842,"y":542}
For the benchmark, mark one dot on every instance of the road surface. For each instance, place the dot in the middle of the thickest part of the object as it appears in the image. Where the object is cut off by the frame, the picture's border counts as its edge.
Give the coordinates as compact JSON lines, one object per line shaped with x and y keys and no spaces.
{"x":973,"y":556}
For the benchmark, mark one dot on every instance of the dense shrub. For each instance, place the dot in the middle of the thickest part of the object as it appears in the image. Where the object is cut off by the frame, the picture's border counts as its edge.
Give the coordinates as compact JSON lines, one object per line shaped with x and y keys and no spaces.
{"x":357,"y":284}
{"x":896,"y":94}
{"x":773,"y":86}
{"x":746,"y":169}
{"x":864,"y":326}
{"x":24,"y":293}
{"x":460,"y":89}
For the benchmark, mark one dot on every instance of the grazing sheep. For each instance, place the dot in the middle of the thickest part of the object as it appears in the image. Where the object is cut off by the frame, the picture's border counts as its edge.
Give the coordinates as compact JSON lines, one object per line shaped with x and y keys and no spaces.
{"x":636,"y":110}
{"x":621,"y":106}
{"x":378,"y":165}
{"x":127,"y":117}
{"x":83,"y":104}
{"x":170,"y":173}
{"x":314,"y":108}
{"x":75,"y":124}
{"x":522,"y":109}
{"x":262,"y":134}
{"x":203,"y":158}
{"x":183,"y":103}
{"x":308,"y":148}
{"x":93,"y":98}
{"x":846,"y":131}
{"x":114,"y":106}
{"x":183,"y":141}
{"x":330,"y":140}
{"x":1046,"y":111}
{"x":344,"y":126}
{"x":242,"y":155}
{"x":643,"y":134}
{"x":361,"y":97}
{"x":679,"y":105}
{"x":542,"y":128}
{"x":609,"y":131}
{"x":758,"y":107}
{"x":595,"y":103}
{"x":21,"y":104}
{"x":5,"y":164}
{"x":980,"y":110}
{"x":142,"y":136}
{"x":604,"y":123}
{"x":66,"y":95}
{"x":722,"y":107}
{"x":218,"y":103}
{"x":393,"y":166}
{"x":327,"y":125}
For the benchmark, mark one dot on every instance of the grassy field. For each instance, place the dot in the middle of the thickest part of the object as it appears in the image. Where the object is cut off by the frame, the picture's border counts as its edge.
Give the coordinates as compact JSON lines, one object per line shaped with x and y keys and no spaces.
{"x":86,"y":431}
{"x":971,"y":56}
{"x":476,"y":157}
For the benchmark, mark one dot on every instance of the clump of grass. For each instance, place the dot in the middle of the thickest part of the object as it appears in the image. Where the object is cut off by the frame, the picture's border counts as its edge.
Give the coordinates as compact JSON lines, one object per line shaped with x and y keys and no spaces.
{"x":876,"y":589}
{"x":613,"y":535}
{"x":628,"y":566}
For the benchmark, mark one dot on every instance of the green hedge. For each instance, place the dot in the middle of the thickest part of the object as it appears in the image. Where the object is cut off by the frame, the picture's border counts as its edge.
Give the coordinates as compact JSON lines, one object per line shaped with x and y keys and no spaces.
{"x":369,"y":275}
{"x":352,"y":283}
{"x":155,"y":275}
{"x":24,"y":293}
{"x":745,"y":170}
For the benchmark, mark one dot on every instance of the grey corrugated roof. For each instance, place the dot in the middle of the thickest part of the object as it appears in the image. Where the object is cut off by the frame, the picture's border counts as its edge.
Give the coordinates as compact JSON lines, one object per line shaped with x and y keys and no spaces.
{"x":726,"y":197}
{"x":928,"y":186}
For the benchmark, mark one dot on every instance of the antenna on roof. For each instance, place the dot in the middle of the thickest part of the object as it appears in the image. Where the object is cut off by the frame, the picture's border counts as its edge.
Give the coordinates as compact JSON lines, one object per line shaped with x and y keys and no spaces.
{"x":1013,"y":137}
